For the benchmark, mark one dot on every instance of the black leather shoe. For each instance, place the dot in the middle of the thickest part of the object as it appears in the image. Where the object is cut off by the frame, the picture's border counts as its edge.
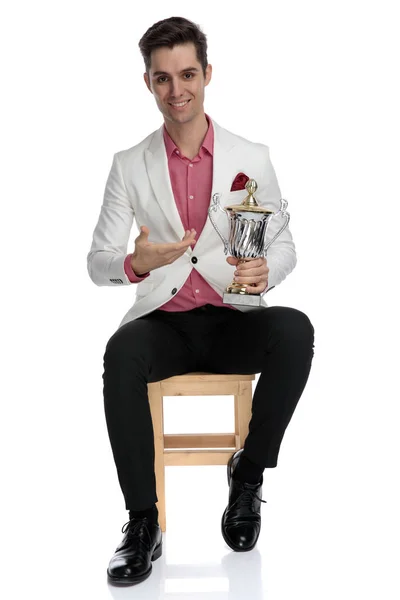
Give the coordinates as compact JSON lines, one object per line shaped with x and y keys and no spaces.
{"x":141,"y":545}
{"x":241,"y":521}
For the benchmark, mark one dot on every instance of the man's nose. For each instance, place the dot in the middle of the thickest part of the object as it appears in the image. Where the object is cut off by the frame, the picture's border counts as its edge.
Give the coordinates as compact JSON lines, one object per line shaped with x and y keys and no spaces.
{"x":176,"y":88}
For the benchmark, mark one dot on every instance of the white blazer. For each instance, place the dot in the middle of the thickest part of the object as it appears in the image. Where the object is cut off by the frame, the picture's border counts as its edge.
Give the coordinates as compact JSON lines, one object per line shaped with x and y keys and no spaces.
{"x":139,"y":187}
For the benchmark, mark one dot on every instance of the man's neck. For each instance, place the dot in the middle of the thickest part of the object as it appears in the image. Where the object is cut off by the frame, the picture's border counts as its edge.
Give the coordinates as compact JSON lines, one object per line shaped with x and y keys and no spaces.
{"x":188,"y":136}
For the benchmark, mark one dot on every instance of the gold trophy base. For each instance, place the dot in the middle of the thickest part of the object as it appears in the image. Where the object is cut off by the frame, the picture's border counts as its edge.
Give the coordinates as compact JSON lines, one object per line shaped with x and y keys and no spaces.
{"x":236,"y":294}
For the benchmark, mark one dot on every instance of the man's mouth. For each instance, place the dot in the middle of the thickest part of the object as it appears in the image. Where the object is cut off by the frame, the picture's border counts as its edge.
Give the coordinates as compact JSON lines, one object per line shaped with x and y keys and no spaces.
{"x":179,"y":104}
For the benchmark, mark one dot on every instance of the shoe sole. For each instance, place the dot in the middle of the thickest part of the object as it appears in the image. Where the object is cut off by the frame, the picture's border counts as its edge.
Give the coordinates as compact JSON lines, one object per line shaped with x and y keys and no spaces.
{"x":139,"y":578}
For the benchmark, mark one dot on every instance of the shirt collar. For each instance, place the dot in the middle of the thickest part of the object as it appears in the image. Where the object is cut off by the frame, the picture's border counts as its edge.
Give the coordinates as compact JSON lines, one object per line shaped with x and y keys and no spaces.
{"x":208,"y":142}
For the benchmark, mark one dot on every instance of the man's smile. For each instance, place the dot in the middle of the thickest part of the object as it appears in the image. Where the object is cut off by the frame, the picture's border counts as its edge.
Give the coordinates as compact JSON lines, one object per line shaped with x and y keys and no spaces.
{"x":179,"y":104}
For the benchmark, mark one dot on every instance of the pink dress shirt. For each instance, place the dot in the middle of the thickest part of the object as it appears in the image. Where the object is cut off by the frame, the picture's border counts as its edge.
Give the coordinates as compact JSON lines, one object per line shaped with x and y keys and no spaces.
{"x":191,"y":182}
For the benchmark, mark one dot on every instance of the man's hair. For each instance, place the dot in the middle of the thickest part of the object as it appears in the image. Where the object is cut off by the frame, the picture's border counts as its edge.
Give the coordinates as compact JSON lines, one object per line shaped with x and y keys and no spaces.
{"x":171,"y":32}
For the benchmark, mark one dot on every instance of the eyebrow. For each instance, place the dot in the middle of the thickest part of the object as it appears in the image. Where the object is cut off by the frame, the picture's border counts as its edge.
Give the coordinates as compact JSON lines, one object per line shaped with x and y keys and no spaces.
{"x":158,"y":73}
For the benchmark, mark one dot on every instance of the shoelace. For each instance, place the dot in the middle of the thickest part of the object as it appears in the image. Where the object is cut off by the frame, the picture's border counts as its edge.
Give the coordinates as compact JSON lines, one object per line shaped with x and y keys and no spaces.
{"x":247,"y":496}
{"x":134,"y":527}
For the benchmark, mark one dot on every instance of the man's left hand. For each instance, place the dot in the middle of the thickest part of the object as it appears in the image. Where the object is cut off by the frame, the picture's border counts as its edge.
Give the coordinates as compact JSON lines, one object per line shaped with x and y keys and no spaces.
{"x":253,"y":272}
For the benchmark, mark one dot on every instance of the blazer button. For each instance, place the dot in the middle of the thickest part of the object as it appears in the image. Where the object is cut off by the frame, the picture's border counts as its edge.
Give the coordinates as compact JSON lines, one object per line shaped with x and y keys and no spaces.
{"x":174,"y":291}
{"x":194,"y":260}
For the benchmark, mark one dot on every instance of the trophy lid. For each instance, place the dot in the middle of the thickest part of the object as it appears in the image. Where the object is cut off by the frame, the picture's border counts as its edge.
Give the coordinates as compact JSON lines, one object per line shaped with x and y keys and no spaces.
{"x":249,"y":204}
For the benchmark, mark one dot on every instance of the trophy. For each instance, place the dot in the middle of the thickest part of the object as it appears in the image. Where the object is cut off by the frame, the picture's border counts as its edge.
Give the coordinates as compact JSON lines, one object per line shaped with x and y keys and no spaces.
{"x":248,"y":225}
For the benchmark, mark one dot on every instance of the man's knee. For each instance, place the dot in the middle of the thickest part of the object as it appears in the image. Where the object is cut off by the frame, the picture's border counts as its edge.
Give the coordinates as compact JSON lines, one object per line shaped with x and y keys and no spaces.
{"x":300,"y":322}
{"x":292,"y":323}
{"x":127,"y":340}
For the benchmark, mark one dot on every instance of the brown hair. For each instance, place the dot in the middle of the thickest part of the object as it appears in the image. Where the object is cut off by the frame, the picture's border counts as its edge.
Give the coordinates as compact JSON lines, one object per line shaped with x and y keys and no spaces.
{"x":171,"y":32}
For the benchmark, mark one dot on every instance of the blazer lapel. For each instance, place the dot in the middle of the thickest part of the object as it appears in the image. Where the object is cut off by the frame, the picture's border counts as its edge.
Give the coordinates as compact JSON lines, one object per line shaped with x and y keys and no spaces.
{"x":222,"y":176}
{"x":157,"y":170}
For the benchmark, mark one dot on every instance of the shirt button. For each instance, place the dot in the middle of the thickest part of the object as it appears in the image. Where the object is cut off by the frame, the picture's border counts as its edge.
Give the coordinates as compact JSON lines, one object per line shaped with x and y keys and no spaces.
{"x":177,"y":151}
{"x":197,"y":291}
{"x":190,"y":165}
{"x":194,"y":260}
{"x":191,"y":197}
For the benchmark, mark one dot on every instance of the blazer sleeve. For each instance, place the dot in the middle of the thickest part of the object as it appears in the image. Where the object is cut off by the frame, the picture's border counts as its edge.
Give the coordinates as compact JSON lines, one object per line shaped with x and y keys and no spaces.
{"x":105,"y":261}
{"x":281,"y":255}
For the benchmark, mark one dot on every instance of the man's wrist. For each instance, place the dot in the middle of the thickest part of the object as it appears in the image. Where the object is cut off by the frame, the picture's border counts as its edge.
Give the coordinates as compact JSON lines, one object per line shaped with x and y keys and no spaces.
{"x":130,"y":273}
{"x":137,"y":271}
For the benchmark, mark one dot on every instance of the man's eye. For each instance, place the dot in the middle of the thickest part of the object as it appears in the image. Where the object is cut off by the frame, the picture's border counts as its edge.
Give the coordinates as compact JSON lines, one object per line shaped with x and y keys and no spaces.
{"x":189,"y":74}
{"x":159,"y":79}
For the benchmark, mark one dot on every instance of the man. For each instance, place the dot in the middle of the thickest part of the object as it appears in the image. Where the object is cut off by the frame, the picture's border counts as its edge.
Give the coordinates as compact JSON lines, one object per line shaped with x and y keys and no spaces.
{"x":178,"y":322}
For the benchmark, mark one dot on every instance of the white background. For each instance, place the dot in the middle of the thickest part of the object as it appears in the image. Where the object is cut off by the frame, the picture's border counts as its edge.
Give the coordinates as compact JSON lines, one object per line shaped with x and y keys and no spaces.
{"x":318,"y":83}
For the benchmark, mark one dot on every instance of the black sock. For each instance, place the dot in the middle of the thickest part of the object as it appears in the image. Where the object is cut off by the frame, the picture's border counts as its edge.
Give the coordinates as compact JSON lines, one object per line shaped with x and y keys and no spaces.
{"x":247,"y":471}
{"x":151,"y":513}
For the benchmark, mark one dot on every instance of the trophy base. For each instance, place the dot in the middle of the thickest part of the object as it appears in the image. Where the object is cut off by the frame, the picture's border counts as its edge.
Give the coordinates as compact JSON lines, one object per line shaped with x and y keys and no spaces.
{"x":242,"y":299}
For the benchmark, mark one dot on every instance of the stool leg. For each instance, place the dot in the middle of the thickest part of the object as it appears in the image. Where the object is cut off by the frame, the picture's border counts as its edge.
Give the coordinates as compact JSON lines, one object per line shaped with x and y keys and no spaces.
{"x":156,"y":408}
{"x":243,"y":404}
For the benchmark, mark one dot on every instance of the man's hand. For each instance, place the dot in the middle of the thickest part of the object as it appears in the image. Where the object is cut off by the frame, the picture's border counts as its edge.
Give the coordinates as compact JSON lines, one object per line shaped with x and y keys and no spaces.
{"x":253,"y":272}
{"x":148,"y":256}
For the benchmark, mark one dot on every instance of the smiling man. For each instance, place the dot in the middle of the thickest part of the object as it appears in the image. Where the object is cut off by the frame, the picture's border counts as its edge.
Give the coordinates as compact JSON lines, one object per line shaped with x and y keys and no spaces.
{"x":178,"y":322}
{"x":179,"y":93}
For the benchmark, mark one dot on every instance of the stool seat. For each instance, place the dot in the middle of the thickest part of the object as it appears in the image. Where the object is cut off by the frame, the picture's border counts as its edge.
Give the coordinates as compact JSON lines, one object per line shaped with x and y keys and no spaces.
{"x":199,"y":448}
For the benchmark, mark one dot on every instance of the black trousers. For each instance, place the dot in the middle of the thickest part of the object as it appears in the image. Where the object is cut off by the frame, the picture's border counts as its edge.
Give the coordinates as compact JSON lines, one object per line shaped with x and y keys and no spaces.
{"x":277,"y":342}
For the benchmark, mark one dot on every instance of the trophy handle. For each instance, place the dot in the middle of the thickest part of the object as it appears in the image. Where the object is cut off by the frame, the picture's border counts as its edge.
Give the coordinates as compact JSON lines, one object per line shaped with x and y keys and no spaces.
{"x":214,"y":206}
{"x":284,"y":214}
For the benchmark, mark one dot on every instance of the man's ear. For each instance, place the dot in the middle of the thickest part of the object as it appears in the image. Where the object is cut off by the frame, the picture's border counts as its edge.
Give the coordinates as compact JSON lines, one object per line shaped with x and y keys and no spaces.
{"x":147,"y":81}
{"x":208,"y":75}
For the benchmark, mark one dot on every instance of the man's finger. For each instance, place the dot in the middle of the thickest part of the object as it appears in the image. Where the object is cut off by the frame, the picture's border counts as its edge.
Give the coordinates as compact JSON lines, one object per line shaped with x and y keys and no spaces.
{"x":249,"y":280}
{"x":255,"y":289}
{"x":187,"y":240}
{"x":143,"y":235}
{"x":252,"y":264}
{"x":251,"y":273}
{"x":178,"y":247}
{"x":189,"y":232}
{"x":144,"y":231}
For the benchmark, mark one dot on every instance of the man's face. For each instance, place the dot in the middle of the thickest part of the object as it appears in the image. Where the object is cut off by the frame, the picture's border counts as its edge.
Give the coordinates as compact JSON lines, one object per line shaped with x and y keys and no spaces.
{"x":176,"y":77}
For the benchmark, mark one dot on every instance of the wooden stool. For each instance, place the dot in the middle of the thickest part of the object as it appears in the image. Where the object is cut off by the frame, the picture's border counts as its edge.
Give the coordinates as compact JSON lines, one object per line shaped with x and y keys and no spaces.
{"x":198,"y":448}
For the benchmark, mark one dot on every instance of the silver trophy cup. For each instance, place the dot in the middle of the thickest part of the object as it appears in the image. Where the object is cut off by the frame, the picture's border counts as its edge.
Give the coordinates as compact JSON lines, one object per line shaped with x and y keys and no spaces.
{"x":248,"y":225}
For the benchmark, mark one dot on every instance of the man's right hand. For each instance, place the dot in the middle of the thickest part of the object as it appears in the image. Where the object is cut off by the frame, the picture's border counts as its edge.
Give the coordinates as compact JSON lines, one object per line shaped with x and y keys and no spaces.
{"x":148,"y":256}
